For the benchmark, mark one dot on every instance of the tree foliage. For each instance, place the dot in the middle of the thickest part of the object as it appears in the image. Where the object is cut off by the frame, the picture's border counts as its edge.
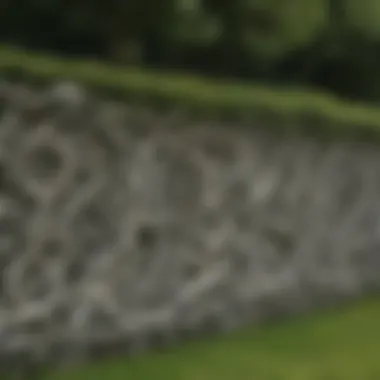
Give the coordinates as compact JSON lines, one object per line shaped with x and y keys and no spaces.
{"x":333,"y":43}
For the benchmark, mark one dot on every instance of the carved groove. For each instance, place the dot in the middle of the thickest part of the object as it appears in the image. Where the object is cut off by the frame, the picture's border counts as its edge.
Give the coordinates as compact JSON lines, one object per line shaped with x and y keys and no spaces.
{"x":116,"y":238}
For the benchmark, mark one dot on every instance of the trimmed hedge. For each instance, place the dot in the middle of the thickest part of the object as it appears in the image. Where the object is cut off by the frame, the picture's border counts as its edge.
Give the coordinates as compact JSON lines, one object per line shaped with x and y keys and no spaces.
{"x":286,"y":110}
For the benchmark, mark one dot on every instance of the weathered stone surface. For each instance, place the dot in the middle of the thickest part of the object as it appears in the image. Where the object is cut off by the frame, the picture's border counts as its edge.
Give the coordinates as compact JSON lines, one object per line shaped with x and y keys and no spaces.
{"x":120,"y":232}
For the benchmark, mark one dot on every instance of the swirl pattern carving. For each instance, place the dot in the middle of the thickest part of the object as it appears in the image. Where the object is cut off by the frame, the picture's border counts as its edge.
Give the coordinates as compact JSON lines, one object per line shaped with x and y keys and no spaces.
{"x":128,"y":229}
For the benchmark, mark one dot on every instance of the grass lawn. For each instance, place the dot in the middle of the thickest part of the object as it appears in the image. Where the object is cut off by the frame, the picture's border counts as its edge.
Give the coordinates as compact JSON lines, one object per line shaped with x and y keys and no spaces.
{"x":342,"y":344}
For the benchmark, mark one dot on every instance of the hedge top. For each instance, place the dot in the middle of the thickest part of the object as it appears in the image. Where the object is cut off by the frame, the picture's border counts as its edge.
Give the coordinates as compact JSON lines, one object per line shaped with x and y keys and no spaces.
{"x":314,"y":112}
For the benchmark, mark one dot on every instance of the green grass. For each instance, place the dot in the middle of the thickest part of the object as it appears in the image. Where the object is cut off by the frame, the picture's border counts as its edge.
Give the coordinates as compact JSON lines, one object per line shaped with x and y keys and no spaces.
{"x":286,"y":110}
{"x":333,"y":345}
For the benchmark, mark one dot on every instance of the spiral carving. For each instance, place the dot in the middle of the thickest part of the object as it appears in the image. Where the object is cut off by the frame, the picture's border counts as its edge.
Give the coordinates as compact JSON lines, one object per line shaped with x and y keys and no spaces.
{"x":117,"y":229}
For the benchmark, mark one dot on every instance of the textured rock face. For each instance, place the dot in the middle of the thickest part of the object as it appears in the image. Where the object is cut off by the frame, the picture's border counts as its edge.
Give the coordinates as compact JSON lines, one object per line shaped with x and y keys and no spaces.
{"x":118,"y":230}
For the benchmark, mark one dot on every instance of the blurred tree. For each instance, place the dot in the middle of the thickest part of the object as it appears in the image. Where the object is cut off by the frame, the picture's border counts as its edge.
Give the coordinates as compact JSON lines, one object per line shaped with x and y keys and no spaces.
{"x":328,"y":43}
{"x":364,"y":17}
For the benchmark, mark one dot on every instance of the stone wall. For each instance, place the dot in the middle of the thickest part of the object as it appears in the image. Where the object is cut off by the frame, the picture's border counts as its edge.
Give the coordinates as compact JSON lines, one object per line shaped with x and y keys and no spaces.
{"x":121,"y":229}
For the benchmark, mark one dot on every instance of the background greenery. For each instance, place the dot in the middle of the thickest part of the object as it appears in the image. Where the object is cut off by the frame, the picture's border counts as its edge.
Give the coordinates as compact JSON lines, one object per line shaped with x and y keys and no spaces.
{"x":332,"y":44}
